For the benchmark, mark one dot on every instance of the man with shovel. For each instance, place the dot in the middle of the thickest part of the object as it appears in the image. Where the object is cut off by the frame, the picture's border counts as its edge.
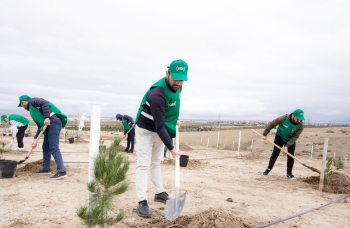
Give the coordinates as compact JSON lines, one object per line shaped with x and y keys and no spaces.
{"x":18,"y":126}
{"x":43,"y":113}
{"x":288,"y":131}
{"x":128,"y":123}
{"x":156,"y":123}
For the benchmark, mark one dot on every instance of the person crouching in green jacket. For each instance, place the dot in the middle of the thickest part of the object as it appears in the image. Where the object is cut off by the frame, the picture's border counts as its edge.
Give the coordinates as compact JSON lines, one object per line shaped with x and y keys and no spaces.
{"x":18,"y":126}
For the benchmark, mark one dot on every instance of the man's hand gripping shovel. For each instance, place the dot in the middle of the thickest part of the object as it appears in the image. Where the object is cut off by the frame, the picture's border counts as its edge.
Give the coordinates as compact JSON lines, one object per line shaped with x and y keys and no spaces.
{"x":36,"y":141}
{"x":173,"y":207}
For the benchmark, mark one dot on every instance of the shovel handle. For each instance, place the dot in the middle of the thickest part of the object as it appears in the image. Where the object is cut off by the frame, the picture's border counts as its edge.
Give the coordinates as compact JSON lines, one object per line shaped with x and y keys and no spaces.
{"x":177,"y":160}
{"x":283,"y":150}
{"x":36,"y":141}
{"x":128,"y":132}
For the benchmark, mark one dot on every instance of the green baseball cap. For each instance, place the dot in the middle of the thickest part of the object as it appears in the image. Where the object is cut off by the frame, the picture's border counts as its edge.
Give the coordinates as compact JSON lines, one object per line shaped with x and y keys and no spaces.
{"x":178,"y":70}
{"x":298,"y":113}
{"x":23,"y":98}
{"x":3,"y":117}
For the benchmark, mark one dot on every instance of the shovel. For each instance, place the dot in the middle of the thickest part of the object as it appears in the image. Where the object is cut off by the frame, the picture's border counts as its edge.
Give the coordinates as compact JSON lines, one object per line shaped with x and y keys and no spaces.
{"x":35,"y":142}
{"x":174,"y":207}
{"x":286,"y":152}
{"x":127,"y":132}
{"x":7,"y":147}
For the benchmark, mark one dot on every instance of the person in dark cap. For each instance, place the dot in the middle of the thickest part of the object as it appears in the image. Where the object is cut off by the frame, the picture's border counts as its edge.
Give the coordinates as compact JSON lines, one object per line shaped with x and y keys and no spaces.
{"x":156,"y":122}
{"x":288,"y":131}
{"x":128,"y":124}
{"x":43,"y":113}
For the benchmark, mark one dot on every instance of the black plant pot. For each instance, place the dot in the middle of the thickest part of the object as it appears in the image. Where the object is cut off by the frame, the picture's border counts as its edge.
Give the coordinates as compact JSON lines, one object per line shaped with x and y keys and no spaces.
{"x":7,"y":168}
{"x":71,"y":140}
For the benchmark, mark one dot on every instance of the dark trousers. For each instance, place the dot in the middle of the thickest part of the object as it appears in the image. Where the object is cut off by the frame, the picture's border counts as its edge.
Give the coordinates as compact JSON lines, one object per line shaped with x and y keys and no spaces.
{"x":130,"y":141}
{"x":20,"y":135}
{"x":276,"y":152}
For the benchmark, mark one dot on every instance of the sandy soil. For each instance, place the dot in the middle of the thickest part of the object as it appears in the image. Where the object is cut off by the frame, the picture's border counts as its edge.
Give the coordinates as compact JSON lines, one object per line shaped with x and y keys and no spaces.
{"x":224,"y":188}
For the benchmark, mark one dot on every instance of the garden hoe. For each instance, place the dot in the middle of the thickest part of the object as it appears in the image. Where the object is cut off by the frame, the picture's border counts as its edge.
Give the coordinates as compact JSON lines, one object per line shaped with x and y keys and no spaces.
{"x":7,"y":147}
{"x":35,"y":142}
{"x":286,"y":152}
{"x":174,"y":207}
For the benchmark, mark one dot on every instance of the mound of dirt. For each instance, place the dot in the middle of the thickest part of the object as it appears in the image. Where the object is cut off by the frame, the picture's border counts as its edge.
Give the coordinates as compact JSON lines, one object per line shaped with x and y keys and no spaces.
{"x":338,"y":183}
{"x":209,"y":218}
{"x":184,"y":146}
{"x":192,"y":164}
{"x":34,"y":166}
{"x":254,"y":155}
{"x":80,"y":140}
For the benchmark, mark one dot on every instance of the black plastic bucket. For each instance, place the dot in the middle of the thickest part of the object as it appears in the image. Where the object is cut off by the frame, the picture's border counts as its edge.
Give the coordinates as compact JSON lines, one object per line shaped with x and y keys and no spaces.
{"x":71,"y":140}
{"x":7,"y":168}
{"x":184,"y":160}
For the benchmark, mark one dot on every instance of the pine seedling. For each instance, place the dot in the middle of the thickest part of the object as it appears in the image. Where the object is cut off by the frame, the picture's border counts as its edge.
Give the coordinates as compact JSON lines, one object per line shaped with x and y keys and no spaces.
{"x":111,"y":168}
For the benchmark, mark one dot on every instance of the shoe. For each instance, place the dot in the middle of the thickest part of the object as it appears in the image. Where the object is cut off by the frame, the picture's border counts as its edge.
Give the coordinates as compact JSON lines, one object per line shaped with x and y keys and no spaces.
{"x":43,"y":172}
{"x":143,"y":210}
{"x":19,"y":148}
{"x":290,"y":176}
{"x":130,"y":152}
{"x":161,"y":197}
{"x":266,"y":172}
{"x":59,"y":175}
{"x":126,"y":150}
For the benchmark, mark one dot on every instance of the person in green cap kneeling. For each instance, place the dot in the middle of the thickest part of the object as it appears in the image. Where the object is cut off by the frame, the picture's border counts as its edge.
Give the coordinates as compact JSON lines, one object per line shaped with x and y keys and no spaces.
{"x":288,"y":131}
{"x":18,"y":126}
{"x":43,"y":113}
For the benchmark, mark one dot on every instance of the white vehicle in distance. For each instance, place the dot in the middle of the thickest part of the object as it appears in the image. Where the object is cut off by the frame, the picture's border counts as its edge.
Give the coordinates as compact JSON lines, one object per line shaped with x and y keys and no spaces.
{"x":115,"y":133}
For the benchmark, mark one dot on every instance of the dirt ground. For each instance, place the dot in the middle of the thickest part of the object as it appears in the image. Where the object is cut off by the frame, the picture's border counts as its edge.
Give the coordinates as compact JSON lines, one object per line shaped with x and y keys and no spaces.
{"x":224,"y":187}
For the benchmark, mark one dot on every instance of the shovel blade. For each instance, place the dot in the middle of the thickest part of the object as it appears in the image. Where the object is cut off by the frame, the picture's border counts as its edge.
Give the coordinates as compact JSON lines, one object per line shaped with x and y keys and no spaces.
{"x":173,"y":207}
{"x":7,"y":147}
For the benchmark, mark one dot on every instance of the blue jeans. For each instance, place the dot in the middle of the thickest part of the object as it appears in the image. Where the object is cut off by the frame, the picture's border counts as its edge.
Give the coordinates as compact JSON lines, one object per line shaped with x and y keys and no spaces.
{"x":51,"y":146}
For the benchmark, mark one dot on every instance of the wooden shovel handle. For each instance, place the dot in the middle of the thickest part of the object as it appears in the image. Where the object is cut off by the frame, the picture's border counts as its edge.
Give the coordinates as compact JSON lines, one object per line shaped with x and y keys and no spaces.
{"x":283,"y":150}
{"x":128,"y":132}
{"x":36,"y":141}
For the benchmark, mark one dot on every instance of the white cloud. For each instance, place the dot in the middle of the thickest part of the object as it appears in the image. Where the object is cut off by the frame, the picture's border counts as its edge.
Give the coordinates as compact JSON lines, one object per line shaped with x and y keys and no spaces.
{"x":247,"y":59}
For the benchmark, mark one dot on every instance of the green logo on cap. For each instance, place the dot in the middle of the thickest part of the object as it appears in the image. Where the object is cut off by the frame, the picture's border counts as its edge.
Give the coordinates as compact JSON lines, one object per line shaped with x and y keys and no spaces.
{"x":178,"y":68}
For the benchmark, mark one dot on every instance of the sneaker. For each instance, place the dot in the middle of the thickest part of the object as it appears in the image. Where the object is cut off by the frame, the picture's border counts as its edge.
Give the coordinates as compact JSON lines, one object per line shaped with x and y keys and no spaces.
{"x":130,"y":152}
{"x":290,"y":176}
{"x":19,"y":148}
{"x":143,"y":210}
{"x":161,"y":197}
{"x":266,"y":172}
{"x":43,"y":172}
{"x":59,"y":175}
{"x":126,"y":150}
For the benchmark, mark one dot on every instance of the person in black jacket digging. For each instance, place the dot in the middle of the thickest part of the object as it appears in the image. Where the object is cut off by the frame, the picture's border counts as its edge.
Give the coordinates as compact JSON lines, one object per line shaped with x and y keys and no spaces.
{"x":128,"y":123}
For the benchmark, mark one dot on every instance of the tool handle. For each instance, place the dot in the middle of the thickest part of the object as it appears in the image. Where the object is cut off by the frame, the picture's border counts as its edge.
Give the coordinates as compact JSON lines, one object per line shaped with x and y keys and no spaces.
{"x":283,"y":150}
{"x":36,"y":140}
{"x":128,"y":132}
{"x":177,"y":160}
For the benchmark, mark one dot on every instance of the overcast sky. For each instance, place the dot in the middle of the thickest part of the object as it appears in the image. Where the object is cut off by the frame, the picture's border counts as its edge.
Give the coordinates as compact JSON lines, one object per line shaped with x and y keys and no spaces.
{"x":248,"y":60}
